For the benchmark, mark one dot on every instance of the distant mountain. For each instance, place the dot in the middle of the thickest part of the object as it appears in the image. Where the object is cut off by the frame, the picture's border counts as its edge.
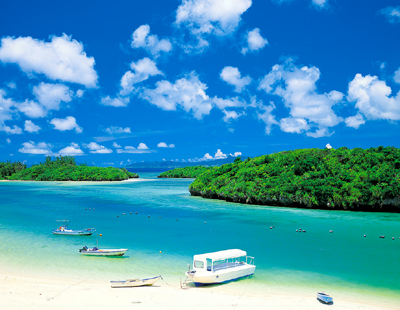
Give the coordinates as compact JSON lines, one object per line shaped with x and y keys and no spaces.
{"x":179,"y":164}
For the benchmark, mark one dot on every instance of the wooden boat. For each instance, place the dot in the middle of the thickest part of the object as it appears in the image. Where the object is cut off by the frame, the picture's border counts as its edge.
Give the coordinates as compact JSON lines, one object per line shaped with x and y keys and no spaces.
{"x":105,"y":252}
{"x":220,"y":267}
{"x":325,"y":298}
{"x":64,"y":230}
{"x":135,"y":282}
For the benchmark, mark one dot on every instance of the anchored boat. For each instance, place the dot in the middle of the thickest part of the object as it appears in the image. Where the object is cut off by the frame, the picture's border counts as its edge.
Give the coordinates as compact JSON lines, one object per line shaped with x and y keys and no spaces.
{"x":325,"y":298}
{"x":64,"y":230}
{"x":105,"y":252}
{"x":221,"y":267}
{"x":135,"y":282}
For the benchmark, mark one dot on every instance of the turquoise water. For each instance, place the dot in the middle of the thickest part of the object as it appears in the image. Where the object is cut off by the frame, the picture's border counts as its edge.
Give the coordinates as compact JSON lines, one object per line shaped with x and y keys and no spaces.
{"x":343,"y":263}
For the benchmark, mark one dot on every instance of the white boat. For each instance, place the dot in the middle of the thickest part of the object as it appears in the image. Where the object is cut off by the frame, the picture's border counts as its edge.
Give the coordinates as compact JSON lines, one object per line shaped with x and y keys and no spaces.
{"x":105,"y":252}
{"x":64,"y":230}
{"x":324,"y":297}
{"x":221,"y":267}
{"x":135,"y":282}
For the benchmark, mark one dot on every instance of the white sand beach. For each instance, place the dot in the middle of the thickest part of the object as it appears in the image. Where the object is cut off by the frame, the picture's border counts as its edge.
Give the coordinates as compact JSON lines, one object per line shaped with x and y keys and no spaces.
{"x":37,"y":292}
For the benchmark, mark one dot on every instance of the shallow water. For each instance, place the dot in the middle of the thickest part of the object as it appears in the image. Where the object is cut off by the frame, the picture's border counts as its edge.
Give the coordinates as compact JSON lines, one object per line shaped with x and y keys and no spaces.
{"x":344,"y":263}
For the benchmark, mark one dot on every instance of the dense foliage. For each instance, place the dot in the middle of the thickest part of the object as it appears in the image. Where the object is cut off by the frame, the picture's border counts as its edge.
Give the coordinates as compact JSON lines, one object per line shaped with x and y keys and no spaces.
{"x":8,"y":168}
{"x":357,"y":179}
{"x":64,"y":168}
{"x":186,"y":172}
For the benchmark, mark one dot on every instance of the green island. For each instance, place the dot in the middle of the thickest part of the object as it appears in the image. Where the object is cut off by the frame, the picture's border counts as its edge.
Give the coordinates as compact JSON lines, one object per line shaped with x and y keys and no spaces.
{"x":340,"y":179}
{"x":186,"y":172}
{"x":62,"y":168}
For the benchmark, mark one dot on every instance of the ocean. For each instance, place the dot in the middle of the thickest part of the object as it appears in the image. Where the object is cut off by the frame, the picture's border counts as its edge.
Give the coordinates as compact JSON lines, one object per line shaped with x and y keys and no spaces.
{"x":162,"y":227}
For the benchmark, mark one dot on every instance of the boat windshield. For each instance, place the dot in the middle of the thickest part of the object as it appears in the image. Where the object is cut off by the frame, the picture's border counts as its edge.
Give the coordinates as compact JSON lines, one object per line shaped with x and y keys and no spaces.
{"x":198,"y":264}
{"x":229,"y":263}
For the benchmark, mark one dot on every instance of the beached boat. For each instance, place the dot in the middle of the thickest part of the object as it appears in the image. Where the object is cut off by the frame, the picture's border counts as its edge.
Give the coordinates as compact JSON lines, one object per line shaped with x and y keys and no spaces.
{"x":64,"y":230}
{"x":221,"y":267}
{"x":135,"y":282}
{"x":324,"y":297}
{"x":105,"y":252}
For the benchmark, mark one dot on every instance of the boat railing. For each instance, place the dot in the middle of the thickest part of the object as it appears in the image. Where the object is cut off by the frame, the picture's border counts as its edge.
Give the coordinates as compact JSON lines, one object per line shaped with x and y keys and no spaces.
{"x":250,"y":260}
{"x":232,"y":264}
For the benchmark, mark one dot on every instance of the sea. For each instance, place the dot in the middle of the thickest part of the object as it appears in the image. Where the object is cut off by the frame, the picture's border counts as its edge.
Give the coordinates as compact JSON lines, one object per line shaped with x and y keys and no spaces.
{"x":163,"y":226}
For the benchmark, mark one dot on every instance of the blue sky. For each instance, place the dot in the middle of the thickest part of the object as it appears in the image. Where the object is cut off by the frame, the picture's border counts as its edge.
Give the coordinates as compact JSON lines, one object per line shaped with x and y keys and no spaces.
{"x":115,"y":82}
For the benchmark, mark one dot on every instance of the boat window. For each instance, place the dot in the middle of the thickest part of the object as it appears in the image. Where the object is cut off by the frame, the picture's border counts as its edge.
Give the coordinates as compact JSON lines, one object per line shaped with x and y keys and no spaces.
{"x":198,"y":264}
{"x":209,"y":264}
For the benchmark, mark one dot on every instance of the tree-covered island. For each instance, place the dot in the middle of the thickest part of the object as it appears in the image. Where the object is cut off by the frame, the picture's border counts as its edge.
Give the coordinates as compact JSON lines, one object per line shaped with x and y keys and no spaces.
{"x":62,"y":168}
{"x":341,"y":179}
{"x":186,"y":172}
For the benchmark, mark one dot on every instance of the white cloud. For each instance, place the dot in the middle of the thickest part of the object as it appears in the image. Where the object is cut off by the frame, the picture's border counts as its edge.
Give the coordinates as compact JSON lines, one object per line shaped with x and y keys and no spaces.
{"x":33,"y":148}
{"x":373,"y":98}
{"x":68,"y":123}
{"x":396,"y":76}
{"x":15,"y":130}
{"x":115,"y":102}
{"x":116,"y":145}
{"x":268,"y":118}
{"x":297,"y":88}
{"x":320,"y":4}
{"x":219,"y":17}
{"x":8,"y":140}
{"x":31,"y":109}
{"x":328,"y":146}
{"x":31,"y":127}
{"x":79,"y":93}
{"x":354,"y":121}
{"x":142,"y":146}
{"x":187,"y":93}
{"x":5,"y":107}
{"x":142,"y":70}
{"x":232,"y":76}
{"x":218,"y":155}
{"x":116,"y":130}
{"x":231,"y":115}
{"x":97,"y":148}
{"x":72,"y":150}
{"x":392,"y":14}
{"x":51,"y":95}
{"x":163,"y":144}
{"x":11,"y":85}
{"x":234,"y":102}
{"x":61,"y":59}
{"x":151,"y":43}
{"x":255,"y":41}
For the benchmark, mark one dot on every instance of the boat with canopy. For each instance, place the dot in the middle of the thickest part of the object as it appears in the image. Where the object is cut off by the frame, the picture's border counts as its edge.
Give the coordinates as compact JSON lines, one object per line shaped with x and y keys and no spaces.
{"x":64,"y":230}
{"x":104,"y":252}
{"x":220,"y":267}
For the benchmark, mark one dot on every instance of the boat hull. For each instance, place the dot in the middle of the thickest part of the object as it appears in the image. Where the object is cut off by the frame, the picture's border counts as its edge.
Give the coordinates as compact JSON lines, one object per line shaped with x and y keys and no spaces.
{"x":221,"y":276}
{"x":73,"y":232}
{"x":106,"y":252}
{"x":324,"y":298}
{"x":135,"y":283}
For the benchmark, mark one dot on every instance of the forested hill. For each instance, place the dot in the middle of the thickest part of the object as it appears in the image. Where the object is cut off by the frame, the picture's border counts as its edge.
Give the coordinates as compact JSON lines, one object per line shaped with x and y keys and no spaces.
{"x":186,"y":172}
{"x":356,"y":179}
{"x":62,"y":168}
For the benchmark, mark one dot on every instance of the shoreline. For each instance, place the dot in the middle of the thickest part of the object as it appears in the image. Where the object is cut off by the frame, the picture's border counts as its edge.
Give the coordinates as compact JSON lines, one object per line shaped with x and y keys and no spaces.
{"x":47,"y":292}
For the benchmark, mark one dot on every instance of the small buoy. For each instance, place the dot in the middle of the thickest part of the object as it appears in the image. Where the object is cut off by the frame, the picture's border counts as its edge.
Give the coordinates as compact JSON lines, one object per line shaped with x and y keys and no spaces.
{"x":383,"y":237}
{"x":297,"y":230}
{"x":330,"y":231}
{"x":148,"y":216}
{"x":160,"y":251}
{"x":135,"y":212}
{"x":304,"y":230}
{"x":85,"y":208}
{"x":364,"y":235}
{"x":159,"y":217}
{"x":270,"y":227}
{"x":177,"y":220}
{"x":93,"y":209}
{"x":131,"y":212}
{"x":123,"y":213}
{"x":393,"y":238}
{"x":117,"y":215}
{"x":205,"y":222}
{"x":89,"y":209}
{"x":273,"y":226}
{"x":101,"y":235}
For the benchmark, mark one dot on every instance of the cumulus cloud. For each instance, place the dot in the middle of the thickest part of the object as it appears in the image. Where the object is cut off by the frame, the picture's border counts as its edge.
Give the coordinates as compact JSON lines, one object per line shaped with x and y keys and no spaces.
{"x":267,"y":117}
{"x":95,"y":148}
{"x":151,"y":43}
{"x":232,"y":76}
{"x":31,"y":127}
{"x":328,"y":146}
{"x":373,"y":98}
{"x":187,"y":93}
{"x":320,"y":4}
{"x":142,"y":70}
{"x":116,"y":145}
{"x":33,"y":148}
{"x":31,"y":109}
{"x":51,"y":95}
{"x":219,"y":17}
{"x":61,"y":59}
{"x":8,"y":140}
{"x":5,"y":107}
{"x":117,"y":130}
{"x":163,"y":144}
{"x":254,"y":41}
{"x":396,"y":76}
{"x":11,"y":85}
{"x":15,"y":130}
{"x":392,"y":14}
{"x":231,"y":115}
{"x":67,"y":123}
{"x":142,"y":148}
{"x":218,"y":155}
{"x":115,"y":102}
{"x":72,"y":150}
{"x":355,"y":121}
{"x":308,"y":108}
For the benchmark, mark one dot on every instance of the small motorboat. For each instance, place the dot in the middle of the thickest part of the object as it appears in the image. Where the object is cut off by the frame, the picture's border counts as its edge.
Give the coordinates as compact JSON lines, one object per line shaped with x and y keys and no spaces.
{"x":64,"y":230}
{"x":135,"y":282}
{"x":325,"y":298}
{"x":106,"y":252}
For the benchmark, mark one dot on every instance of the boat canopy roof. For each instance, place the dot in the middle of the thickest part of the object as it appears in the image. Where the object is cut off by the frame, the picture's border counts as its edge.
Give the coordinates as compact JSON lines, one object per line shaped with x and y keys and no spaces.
{"x":220,"y":255}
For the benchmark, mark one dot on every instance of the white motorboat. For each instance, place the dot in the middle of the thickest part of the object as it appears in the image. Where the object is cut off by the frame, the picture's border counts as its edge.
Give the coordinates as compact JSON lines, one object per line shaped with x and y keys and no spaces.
{"x":64,"y":230}
{"x":135,"y":282}
{"x":221,"y":267}
{"x":324,"y":297}
{"x":105,"y":252}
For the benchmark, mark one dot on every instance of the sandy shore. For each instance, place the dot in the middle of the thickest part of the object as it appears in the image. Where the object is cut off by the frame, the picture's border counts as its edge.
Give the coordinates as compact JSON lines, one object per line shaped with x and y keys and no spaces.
{"x":29,"y":292}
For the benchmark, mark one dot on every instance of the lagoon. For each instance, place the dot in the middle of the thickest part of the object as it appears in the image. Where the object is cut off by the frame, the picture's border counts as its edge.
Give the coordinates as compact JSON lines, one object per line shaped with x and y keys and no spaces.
{"x":343,"y":263}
